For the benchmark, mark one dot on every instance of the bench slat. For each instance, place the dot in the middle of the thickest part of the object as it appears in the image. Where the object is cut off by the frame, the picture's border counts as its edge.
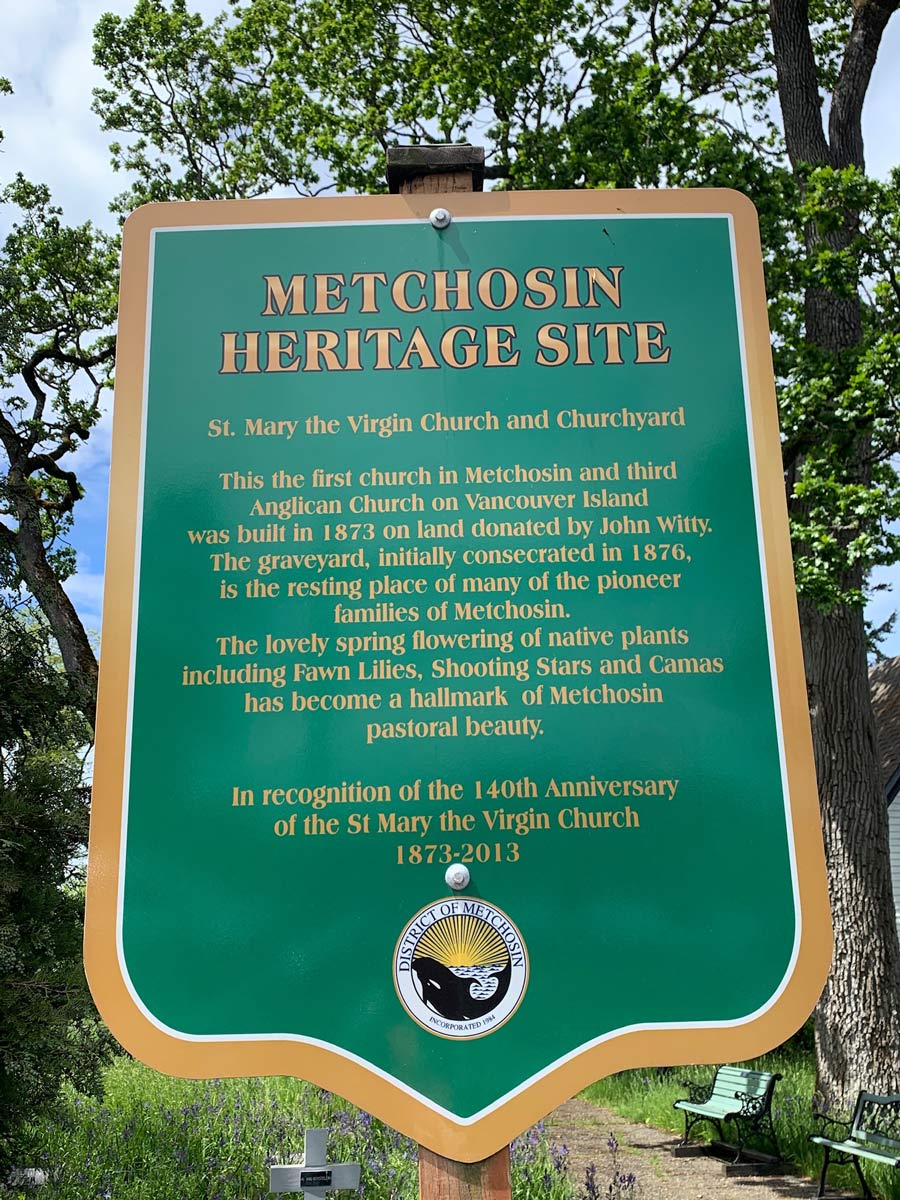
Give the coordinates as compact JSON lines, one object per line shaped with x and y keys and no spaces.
{"x":856,"y":1148}
{"x":711,"y":1108}
{"x":745,"y":1080}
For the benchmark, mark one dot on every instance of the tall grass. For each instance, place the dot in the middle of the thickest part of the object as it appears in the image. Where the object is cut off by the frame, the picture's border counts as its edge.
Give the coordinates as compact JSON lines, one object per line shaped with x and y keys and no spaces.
{"x":152,"y":1137}
{"x":646,"y":1096}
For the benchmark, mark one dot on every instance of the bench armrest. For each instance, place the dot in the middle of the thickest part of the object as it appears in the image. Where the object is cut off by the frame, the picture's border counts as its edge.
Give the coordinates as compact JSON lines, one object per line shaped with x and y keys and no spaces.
{"x":753,"y":1106}
{"x":698,"y":1093}
{"x":827,"y":1122}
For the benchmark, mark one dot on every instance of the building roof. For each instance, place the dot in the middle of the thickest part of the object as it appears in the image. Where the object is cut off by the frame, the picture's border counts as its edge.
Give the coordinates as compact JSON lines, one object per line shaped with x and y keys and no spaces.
{"x":884,"y":683}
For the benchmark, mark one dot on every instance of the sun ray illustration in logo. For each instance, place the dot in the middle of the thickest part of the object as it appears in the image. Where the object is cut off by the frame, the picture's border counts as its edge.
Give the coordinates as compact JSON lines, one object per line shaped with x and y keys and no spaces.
{"x":463,"y":941}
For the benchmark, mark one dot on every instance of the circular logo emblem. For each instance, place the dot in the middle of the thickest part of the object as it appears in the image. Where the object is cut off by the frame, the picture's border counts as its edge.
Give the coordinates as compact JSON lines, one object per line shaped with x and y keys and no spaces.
{"x":460,"y":968}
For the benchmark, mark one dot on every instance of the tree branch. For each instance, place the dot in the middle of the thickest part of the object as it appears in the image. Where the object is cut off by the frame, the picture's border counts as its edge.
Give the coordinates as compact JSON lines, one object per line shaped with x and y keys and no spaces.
{"x":74,"y":647}
{"x":845,"y":119}
{"x":86,"y":361}
{"x":44,"y":462}
{"x":798,"y":83}
{"x":29,"y":374}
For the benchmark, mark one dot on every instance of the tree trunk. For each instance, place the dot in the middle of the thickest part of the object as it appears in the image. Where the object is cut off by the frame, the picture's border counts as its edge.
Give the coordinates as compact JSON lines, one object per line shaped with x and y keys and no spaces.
{"x":42,"y":582}
{"x":858,"y":1017}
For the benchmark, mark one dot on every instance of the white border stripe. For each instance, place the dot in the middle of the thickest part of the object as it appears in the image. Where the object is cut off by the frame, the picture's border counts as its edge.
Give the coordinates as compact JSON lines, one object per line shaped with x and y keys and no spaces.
{"x":421,"y":222}
{"x":132,"y":657}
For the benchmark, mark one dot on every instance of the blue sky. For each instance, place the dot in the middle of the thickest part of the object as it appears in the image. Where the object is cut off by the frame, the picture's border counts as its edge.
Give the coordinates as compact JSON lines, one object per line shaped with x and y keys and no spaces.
{"x":52,"y":136}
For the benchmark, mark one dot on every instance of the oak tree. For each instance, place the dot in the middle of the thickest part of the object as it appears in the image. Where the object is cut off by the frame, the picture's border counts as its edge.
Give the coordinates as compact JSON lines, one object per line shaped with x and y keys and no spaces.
{"x":844,"y":383}
{"x":57,"y":305}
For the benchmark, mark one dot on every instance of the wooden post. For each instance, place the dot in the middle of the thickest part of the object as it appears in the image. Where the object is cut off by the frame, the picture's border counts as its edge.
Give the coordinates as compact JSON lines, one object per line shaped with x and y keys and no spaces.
{"x":435,"y":170}
{"x":446,"y":1179}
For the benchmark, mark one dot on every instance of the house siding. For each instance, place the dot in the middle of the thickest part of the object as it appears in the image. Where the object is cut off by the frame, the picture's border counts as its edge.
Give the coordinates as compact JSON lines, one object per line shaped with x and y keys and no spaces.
{"x":884,"y":683}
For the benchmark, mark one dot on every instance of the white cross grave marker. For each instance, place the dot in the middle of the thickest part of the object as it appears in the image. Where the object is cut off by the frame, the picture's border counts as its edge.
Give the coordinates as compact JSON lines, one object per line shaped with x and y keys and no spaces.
{"x":314,"y":1176}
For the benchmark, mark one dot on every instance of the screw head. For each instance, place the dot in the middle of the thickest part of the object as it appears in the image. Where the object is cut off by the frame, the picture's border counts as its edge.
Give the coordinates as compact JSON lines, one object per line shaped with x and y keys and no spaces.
{"x":457,"y":876}
{"x":440,"y":218}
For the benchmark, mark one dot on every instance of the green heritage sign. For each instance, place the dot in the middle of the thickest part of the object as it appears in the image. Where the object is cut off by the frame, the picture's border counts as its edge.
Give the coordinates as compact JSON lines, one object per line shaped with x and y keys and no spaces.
{"x":442,"y":548}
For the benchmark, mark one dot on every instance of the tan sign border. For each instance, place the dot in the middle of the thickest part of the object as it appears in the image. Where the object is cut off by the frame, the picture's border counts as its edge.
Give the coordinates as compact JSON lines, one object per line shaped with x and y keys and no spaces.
{"x":411,"y":1114}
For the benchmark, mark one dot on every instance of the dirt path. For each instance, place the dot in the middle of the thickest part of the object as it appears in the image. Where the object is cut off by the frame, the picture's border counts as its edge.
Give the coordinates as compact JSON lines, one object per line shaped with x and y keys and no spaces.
{"x":647,"y":1152}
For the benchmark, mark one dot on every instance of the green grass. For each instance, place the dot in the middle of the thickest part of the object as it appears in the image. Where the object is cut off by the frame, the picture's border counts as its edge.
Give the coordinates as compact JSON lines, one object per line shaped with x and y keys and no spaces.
{"x":646,"y":1096}
{"x":152,"y":1137}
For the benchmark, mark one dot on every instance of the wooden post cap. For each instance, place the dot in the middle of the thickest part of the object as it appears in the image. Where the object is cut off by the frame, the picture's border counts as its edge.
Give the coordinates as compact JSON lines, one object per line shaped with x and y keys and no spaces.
{"x":406,"y":163}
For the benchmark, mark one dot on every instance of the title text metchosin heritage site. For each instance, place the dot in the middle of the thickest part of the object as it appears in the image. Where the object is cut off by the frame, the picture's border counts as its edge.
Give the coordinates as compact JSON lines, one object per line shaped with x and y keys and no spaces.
{"x":388,"y":348}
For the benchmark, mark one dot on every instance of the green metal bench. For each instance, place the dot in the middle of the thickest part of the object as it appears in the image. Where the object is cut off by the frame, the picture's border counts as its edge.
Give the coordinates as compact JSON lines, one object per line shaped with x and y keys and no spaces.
{"x":742,"y":1097}
{"x":873,"y":1133}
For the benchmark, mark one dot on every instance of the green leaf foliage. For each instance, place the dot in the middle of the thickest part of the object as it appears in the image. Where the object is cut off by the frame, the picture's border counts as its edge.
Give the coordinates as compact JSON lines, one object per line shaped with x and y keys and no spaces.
{"x":49,"y":1030}
{"x":278,"y":95}
{"x":839,"y":407}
